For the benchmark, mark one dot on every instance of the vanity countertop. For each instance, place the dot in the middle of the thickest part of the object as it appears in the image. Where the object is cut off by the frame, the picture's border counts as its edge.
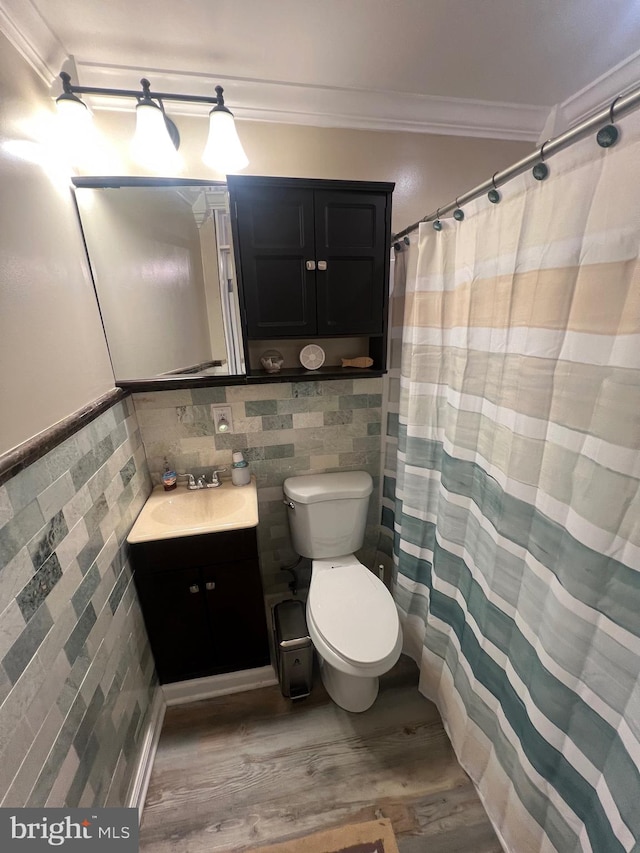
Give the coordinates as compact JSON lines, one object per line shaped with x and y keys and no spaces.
{"x":190,"y":512}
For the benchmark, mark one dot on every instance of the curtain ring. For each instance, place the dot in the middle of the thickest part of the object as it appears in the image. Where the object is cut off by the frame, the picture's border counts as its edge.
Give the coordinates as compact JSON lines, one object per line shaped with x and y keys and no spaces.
{"x":493,"y":195}
{"x":541,"y":171}
{"x":612,"y":107}
{"x":458,"y":213}
{"x":437,"y":225}
{"x":609,"y":134}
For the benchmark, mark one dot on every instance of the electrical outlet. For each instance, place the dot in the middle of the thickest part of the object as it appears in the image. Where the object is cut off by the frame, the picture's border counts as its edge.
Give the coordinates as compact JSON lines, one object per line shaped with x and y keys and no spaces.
{"x":222,"y":420}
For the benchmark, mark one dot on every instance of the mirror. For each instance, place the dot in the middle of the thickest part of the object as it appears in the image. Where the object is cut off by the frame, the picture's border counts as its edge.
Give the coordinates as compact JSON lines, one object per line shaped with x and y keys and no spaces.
{"x":162,"y":263}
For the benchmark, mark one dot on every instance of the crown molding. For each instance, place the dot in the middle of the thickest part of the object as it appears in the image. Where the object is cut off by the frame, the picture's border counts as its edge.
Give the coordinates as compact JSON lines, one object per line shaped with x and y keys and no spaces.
{"x":32,"y":37}
{"x":619,"y":80}
{"x":325,"y":106}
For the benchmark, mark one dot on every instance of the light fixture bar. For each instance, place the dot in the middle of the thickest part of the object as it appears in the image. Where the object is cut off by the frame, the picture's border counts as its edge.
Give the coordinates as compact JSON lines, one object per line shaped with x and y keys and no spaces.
{"x":135,"y":93}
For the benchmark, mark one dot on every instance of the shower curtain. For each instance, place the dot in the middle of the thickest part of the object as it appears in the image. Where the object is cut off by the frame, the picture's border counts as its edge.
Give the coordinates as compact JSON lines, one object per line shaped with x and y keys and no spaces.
{"x":511,"y":491}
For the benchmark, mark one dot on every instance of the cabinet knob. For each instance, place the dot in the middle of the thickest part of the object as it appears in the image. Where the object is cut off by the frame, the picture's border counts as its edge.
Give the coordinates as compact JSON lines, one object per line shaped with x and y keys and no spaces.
{"x":194,"y":588}
{"x":210,"y":585}
{"x":322,"y":265}
{"x":311,"y":265}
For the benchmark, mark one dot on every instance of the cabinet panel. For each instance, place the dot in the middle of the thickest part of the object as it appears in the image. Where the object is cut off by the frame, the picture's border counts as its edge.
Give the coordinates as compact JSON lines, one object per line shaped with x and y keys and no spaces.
{"x":283,"y":303}
{"x":174,"y":609}
{"x":350,"y":237}
{"x":237,"y":614}
{"x":275,"y":240}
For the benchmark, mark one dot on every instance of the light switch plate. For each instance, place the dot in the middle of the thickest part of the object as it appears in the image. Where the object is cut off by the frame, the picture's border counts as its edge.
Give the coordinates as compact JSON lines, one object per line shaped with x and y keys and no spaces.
{"x":221,"y":416}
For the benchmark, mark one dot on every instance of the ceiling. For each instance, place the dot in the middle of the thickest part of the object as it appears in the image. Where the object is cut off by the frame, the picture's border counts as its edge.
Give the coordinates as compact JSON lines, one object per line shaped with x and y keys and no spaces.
{"x":484,"y":67}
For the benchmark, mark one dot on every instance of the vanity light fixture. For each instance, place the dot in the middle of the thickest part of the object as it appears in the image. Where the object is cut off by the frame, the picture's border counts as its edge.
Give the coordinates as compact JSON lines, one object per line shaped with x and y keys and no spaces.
{"x":156,"y":139}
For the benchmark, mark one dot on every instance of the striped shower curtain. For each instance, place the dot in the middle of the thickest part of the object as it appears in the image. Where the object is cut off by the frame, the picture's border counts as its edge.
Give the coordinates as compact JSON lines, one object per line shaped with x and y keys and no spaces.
{"x":511,"y":490}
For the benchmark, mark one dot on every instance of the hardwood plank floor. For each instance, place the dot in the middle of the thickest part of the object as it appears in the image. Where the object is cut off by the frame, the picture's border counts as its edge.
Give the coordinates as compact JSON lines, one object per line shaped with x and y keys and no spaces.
{"x":253,"y":768}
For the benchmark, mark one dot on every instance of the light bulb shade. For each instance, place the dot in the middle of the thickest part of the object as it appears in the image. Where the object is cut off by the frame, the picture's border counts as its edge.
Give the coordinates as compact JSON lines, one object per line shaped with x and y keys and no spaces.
{"x":151,"y":145}
{"x":223,"y":151}
{"x":75,"y":118}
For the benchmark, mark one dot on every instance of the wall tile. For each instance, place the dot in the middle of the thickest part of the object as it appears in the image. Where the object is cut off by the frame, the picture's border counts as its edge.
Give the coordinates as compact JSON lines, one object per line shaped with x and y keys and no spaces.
{"x":39,"y":587}
{"x":279,"y":451}
{"x":56,"y":496}
{"x":28,"y":484}
{"x":306,"y":389}
{"x":354,"y":401}
{"x":12,"y":624}
{"x":343,"y":417}
{"x":208,"y":396}
{"x":15,"y":575}
{"x":23,"y":650}
{"x":277,"y":422}
{"x":308,"y":419}
{"x":162,"y":399}
{"x":6,"y":510}
{"x":59,"y":527}
{"x":19,"y":530}
{"x":44,"y":544}
{"x":260,"y":407}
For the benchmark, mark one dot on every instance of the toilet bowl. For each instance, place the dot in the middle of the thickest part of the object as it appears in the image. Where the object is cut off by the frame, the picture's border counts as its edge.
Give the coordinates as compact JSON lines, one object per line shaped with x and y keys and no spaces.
{"x":351,"y":616}
{"x":354,"y":627}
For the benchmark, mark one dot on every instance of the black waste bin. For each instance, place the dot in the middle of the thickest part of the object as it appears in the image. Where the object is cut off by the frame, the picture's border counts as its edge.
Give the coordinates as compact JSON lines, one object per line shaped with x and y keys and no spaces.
{"x":293,"y":649}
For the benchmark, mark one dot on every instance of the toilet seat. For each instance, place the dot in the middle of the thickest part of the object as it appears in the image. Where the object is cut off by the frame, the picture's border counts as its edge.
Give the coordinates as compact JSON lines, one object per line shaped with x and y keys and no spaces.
{"x":353,"y":612}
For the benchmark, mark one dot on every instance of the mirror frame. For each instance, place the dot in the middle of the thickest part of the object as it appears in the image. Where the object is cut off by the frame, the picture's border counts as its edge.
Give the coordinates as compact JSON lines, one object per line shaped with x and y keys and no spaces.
{"x":165,"y":382}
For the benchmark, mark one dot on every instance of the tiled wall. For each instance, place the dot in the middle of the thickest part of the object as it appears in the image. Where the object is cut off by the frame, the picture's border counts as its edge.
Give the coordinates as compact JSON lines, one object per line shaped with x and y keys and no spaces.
{"x":284,"y":429}
{"x":76,"y":674}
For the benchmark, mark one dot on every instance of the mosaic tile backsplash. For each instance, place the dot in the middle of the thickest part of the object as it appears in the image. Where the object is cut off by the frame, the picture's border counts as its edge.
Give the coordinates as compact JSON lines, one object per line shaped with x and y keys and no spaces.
{"x":284,"y":429}
{"x":76,"y":672}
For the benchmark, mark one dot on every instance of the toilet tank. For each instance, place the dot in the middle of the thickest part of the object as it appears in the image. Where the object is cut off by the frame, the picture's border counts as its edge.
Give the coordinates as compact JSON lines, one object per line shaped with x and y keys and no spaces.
{"x":328,"y":512}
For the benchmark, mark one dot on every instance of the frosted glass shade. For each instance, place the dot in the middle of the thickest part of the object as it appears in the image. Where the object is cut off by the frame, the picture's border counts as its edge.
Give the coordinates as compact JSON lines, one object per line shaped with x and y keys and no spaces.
{"x":151,"y":145}
{"x":73,"y":113}
{"x":223,"y":151}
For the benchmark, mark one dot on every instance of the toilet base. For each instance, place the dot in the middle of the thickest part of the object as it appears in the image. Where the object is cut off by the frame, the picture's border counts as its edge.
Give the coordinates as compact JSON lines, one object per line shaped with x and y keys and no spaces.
{"x":354,"y":693}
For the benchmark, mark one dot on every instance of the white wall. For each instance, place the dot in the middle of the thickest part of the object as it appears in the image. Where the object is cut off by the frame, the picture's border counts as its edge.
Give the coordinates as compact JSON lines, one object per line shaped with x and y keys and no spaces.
{"x":53,"y":356}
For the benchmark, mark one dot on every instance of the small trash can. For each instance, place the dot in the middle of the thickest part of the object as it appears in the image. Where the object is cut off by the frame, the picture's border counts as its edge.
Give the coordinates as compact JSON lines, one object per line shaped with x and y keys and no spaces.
{"x":294,"y":651}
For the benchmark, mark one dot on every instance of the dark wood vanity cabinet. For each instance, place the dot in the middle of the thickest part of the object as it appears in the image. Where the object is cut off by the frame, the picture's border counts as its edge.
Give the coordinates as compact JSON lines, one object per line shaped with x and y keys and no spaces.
{"x":312,"y":257}
{"x":202,"y":602}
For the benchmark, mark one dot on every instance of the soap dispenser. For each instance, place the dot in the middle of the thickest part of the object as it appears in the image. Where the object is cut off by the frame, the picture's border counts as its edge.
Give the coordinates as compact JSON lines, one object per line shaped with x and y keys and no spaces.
{"x":240,"y":474}
{"x":169,"y":478}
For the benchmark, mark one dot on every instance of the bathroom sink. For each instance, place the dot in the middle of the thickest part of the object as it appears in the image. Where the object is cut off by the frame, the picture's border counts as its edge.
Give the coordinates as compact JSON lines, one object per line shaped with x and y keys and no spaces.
{"x":185,"y":512}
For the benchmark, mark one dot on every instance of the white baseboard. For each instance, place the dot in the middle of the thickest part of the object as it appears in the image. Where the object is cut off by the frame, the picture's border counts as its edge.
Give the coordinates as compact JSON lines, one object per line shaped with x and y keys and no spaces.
{"x":180,"y":692}
{"x":140,"y":782}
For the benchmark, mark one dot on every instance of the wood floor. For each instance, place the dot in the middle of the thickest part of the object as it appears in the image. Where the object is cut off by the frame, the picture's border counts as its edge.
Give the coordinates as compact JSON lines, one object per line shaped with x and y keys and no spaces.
{"x":240,"y":771}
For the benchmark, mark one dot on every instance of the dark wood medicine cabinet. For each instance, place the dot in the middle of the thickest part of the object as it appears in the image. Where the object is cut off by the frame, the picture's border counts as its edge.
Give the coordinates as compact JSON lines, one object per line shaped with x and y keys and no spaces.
{"x":312,"y":260}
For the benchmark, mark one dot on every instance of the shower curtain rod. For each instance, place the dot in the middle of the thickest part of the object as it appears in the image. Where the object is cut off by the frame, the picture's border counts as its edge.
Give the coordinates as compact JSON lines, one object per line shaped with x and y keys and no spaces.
{"x":620,"y":106}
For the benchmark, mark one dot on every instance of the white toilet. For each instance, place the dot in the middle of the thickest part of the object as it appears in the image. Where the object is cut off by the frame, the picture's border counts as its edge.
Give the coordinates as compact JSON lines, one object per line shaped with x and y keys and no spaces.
{"x":352,"y":618}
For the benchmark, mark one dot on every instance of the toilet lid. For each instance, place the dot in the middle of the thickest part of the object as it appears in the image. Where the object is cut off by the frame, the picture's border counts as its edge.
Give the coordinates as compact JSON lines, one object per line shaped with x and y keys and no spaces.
{"x":354,"y":613}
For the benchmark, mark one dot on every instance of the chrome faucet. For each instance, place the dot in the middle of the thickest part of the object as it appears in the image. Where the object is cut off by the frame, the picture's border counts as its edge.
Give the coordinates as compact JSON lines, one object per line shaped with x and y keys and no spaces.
{"x":201,"y":482}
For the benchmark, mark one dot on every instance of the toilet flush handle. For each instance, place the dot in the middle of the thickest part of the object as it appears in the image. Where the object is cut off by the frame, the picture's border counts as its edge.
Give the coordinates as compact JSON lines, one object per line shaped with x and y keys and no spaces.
{"x":289,"y":504}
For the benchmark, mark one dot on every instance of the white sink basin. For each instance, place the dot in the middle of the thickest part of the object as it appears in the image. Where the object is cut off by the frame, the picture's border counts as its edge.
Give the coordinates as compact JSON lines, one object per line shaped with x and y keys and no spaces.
{"x":185,"y":512}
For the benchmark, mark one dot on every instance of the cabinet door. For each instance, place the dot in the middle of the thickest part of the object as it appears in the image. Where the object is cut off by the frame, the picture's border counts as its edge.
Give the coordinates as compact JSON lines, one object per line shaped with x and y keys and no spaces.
{"x":237,"y":614}
{"x":276,"y":240}
{"x":175,"y":613}
{"x":350,"y":239}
